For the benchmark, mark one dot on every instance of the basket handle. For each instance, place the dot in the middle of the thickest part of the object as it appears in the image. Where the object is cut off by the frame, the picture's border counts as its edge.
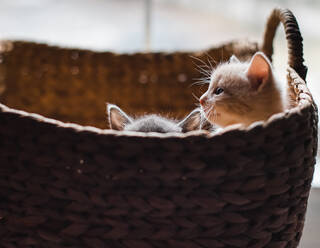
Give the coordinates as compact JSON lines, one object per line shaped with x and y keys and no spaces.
{"x":293,"y":36}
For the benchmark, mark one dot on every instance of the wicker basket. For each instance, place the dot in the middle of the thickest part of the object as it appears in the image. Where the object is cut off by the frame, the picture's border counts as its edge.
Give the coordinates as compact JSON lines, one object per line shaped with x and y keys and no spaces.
{"x":67,"y":185}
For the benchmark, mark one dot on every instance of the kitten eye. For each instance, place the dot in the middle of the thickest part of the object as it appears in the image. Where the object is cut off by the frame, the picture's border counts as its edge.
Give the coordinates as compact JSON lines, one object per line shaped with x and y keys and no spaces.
{"x":218,"y":91}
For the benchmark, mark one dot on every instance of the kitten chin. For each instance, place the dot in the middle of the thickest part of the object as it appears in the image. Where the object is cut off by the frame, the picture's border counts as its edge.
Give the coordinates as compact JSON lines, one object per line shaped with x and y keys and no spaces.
{"x":119,"y":120}
{"x":243,"y":92}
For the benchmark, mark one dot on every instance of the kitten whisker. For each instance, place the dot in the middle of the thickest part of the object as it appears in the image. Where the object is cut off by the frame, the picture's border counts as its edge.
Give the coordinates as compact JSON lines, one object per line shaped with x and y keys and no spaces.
{"x":211,"y":66}
{"x":212,"y":114}
{"x":203,"y":68}
{"x":209,"y":117}
{"x":207,"y":110}
{"x":206,"y":71}
{"x":198,"y":59}
{"x":209,"y":59}
{"x":208,"y":66}
{"x":200,"y":82}
{"x":203,"y":78}
{"x":212,"y":59}
{"x":197,"y":98}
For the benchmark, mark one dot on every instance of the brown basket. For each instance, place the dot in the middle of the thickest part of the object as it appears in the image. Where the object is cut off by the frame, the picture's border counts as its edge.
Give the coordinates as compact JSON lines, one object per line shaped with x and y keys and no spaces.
{"x":66,"y":185}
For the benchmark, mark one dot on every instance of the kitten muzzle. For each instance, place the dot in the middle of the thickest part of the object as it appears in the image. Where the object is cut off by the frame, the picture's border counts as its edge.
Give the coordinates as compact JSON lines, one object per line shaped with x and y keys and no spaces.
{"x":203,"y":100}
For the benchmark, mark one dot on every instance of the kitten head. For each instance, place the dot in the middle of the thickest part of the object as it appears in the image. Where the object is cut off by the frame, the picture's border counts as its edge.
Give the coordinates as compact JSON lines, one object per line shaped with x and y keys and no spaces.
{"x":242,"y":92}
{"x":119,"y":120}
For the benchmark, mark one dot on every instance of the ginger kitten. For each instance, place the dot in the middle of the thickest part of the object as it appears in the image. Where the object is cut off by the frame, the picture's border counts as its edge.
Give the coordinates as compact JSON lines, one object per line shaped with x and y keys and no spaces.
{"x":242,"y":92}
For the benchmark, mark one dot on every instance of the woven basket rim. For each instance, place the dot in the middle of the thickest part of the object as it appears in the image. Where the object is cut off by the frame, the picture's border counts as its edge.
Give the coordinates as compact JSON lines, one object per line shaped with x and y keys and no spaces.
{"x":304,"y":97}
{"x":6,"y":45}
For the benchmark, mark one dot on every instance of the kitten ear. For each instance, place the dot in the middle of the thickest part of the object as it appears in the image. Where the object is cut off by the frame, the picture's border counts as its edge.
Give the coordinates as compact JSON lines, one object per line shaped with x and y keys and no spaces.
{"x":192,"y":121}
{"x":259,"y":71}
{"x":234,"y":59}
{"x":117,"y":118}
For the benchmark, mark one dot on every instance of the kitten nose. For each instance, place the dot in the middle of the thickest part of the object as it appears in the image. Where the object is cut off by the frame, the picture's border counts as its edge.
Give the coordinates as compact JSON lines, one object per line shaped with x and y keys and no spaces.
{"x":203,"y":100}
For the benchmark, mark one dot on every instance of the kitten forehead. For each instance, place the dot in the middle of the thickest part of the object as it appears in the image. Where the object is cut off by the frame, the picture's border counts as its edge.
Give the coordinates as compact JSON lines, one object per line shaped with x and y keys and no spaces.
{"x":153,"y":123}
{"x":229,"y":75}
{"x":229,"y":69}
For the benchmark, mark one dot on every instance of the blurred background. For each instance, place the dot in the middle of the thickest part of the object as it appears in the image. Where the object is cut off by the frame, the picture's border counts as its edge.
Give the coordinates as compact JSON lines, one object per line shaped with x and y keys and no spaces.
{"x":128,"y":26}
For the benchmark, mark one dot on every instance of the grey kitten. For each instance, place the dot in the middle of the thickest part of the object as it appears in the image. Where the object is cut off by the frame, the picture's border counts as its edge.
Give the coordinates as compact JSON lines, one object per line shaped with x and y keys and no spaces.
{"x":119,"y":120}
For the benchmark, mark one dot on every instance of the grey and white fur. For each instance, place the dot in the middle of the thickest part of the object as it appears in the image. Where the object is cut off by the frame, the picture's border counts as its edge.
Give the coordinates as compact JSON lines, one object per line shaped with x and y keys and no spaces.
{"x":119,"y":120}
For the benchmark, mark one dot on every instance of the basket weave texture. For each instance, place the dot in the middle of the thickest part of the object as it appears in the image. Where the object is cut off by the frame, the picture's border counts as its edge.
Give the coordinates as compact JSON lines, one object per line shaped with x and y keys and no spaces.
{"x":68,"y":185}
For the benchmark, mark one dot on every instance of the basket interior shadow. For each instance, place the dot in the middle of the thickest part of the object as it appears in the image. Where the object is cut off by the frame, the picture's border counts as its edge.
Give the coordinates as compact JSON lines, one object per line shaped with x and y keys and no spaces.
{"x":70,"y":185}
